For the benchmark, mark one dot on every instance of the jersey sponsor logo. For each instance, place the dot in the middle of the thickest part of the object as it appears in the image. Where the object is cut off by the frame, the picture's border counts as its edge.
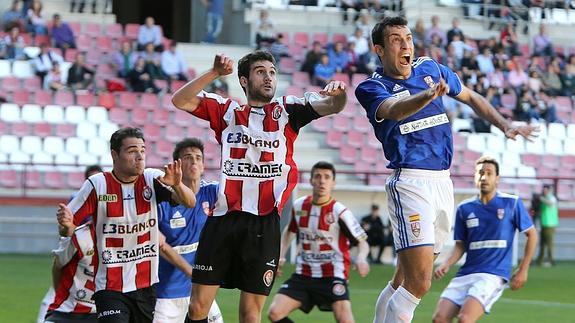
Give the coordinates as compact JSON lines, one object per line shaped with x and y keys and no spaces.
{"x":338,"y":289}
{"x":147,"y":193}
{"x":128,"y":198}
{"x":185,"y":249}
{"x":116,"y":228}
{"x":500,"y":214}
{"x":268,"y":277}
{"x":488,"y":244}
{"x":88,"y":272}
{"x":397,"y":87}
{"x":317,"y":257}
{"x":242,"y":138}
{"x":108,"y":198}
{"x":177,"y":223}
{"x":245,"y":169}
{"x":312,"y":236}
{"x":277,"y":112}
{"x":402,"y":94}
{"x":129,"y":255}
{"x":415,"y":228}
{"x":206,"y":207}
{"x":109,"y":312}
{"x":424,"y":123}
{"x":80,"y":294}
{"x":429,"y":81}
{"x":302,"y":213}
{"x":472,"y":223}
{"x":202,"y":267}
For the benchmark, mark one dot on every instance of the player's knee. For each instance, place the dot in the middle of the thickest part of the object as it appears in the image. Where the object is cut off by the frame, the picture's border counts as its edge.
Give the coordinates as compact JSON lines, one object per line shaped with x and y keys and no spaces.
{"x":418,"y":287}
{"x":274,"y":314}
{"x":465,"y":318}
{"x":439,"y":317}
{"x":197,"y":309}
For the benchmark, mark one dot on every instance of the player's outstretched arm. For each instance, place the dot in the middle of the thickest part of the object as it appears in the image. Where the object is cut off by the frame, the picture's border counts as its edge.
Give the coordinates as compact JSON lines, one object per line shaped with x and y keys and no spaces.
{"x":484,"y":109}
{"x":287,"y":238}
{"x":168,"y":253}
{"x":361,"y":260}
{"x":173,"y":178}
{"x":520,"y":277}
{"x":399,"y":109}
{"x":65,"y":220}
{"x":186,"y":97}
{"x":334,"y":100}
{"x":456,"y":254}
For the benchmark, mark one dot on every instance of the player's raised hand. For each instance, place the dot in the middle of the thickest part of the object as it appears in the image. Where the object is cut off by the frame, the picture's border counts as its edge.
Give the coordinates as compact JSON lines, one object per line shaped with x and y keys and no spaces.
{"x":223,"y":65}
{"x":333,"y":88}
{"x":64,"y":215}
{"x":528,"y":132}
{"x":519,"y":279}
{"x":362,"y":267}
{"x":441,"y":271}
{"x":439,"y":89}
{"x":173,"y":174}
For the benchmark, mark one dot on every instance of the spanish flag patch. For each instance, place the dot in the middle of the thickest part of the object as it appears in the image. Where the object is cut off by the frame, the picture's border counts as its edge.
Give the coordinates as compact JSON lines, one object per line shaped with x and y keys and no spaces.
{"x":413,"y":218}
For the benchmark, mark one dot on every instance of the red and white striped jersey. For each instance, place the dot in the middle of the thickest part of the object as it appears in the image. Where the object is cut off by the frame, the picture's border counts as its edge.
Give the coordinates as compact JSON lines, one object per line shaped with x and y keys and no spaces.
{"x":75,"y":255}
{"x":125,"y":218}
{"x":258,"y":170}
{"x":324,"y":234}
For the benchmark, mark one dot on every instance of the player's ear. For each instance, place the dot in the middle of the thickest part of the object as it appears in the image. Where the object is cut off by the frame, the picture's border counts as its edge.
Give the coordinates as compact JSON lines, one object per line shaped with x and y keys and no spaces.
{"x":378,"y":50}
{"x":244,"y":82}
{"x":115,"y":154}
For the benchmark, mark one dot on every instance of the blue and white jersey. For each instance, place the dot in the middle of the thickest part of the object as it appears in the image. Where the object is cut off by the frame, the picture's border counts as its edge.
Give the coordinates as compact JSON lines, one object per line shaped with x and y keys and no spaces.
{"x":182,"y":227}
{"x":487,"y":232}
{"x":423,"y":140}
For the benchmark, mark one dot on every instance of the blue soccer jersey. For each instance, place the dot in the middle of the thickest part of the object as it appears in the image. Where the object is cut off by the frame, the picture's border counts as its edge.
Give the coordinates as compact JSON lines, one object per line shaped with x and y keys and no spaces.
{"x":487,"y":232}
{"x":423,"y":140}
{"x":182,"y":227}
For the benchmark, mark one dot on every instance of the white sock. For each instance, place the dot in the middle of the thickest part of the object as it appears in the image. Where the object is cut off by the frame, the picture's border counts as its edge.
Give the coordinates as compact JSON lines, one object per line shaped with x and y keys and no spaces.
{"x":381,"y":303}
{"x":401,"y":307}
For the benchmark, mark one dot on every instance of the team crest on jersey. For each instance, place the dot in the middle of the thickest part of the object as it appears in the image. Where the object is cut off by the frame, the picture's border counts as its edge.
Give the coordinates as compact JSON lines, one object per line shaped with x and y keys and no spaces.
{"x":338,"y":289}
{"x":429,"y":80}
{"x":108,"y":198}
{"x":239,"y":108}
{"x":268,"y":277}
{"x":277,"y":112}
{"x":147,"y":193}
{"x":90,"y":252}
{"x":329,"y":219}
{"x":106,"y":255}
{"x":416,"y":228}
{"x":206,"y":207}
{"x":228,"y":166}
{"x":500,"y":213}
{"x":80,"y":294}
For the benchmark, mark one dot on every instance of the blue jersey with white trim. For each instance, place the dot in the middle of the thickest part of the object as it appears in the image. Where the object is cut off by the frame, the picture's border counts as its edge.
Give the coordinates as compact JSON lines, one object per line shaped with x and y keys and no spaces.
{"x":487,"y":232}
{"x":423,"y":140}
{"x":182,"y":227}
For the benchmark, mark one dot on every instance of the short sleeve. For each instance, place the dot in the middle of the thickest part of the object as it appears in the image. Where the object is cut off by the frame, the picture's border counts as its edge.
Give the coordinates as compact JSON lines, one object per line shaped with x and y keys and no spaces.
{"x":65,"y":251}
{"x":300,"y":111}
{"x":350,"y":227}
{"x":521,"y":217}
{"x":451,"y":79}
{"x":370,"y":94}
{"x":459,"y":231}
{"x":84,"y":203}
{"x":212,"y":108}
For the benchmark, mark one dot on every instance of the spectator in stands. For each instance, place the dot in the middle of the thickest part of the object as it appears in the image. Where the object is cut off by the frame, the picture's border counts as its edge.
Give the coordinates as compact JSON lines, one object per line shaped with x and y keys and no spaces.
{"x":497,"y":79}
{"x":373,"y":226}
{"x":14,"y":44}
{"x":569,"y":76}
{"x":173,"y":65}
{"x":509,"y":40}
{"x":149,"y":32}
{"x":354,"y":64}
{"x":370,"y":60}
{"x":547,"y":108}
{"x":338,"y":57}
{"x":62,"y":34}
{"x":124,"y":60}
{"x":265,"y":34}
{"x":526,"y":108}
{"x":516,"y":77}
{"x":279,"y":48}
{"x":551,"y":78}
{"x":36,"y":23}
{"x":459,"y":48}
{"x":435,"y":30}
{"x":54,"y":80}
{"x":215,"y":19}
{"x":13,"y":17}
{"x":350,"y":4}
{"x":535,"y":84}
{"x":542,"y":44}
{"x":140,"y":78}
{"x":361,"y":43}
{"x":219,"y":86}
{"x":323,"y":71}
{"x":418,"y":32}
{"x":80,"y":76}
{"x":500,"y":58}
{"x":363,"y":23}
{"x":455,"y":30}
{"x":153,"y":62}
{"x":312,"y":57}
{"x":485,"y":61}
{"x":44,"y":62}
{"x":549,"y":221}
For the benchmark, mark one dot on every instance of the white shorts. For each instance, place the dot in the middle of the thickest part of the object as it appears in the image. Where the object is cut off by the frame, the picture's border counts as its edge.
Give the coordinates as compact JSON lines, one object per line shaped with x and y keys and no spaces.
{"x":420,"y":204}
{"x":486,"y":288}
{"x":174,"y":310}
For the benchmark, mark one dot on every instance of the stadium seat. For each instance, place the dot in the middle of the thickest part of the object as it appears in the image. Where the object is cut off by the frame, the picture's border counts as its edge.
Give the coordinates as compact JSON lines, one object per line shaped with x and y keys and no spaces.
{"x":42,"y":129}
{"x":334,"y":139}
{"x":32,"y":179}
{"x":153,"y":132}
{"x":181,"y":118}
{"x":9,"y":178}
{"x":20,"y":129}
{"x":341,"y":123}
{"x":348,"y":154}
{"x":22,"y":69}
{"x":114,"y":31}
{"x":287,"y":65}
{"x":92,"y":29}
{"x":360,"y":123}
{"x":301,"y":38}
{"x":32,"y":84}
{"x":42,"y":158}
{"x":10,"y":112}
{"x":164,"y":148}
{"x":355,"y":138}
{"x":296,"y":51}
{"x":556,"y":130}
{"x":65,"y":130}
{"x":357,"y":78}
{"x":300,"y":79}
{"x":516,"y":146}
{"x":83,"y":42}
{"x":496,"y":144}
{"x":174,"y":134}
{"x":64,"y":98}
{"x":372,"y":141}
{"x":342,"y":77}
{"x":139,"y":117}
{"x":75,"y":180}
{"x":5,"y":68}
{"x":554,"y":146}
{"x":3,"y":128}
{"x":86,"y":130}
{"x":156,"y":161}
{"x":369,"y":154}
{"x":31,"y":113}
{"x":85,"y":99}
{"x":476,"y":142}
{"x":104,"y":44}
{"x":131,"y":31}
{"x":564,"y":191}
{"x":64,"y":160}
{"x":106,"y":160}
{"x":569,"y":146}
{"x":9,"y":143}
{"x":75,"y":146}
{"x":161,"y":117}
{"x":53,"y":145}
{"x":550,"y":161}
{"x":321,"y":124}
{"x":338,"y":37}
{"x":167,"y":103}
{"x":75,"y":114}
{"x":10,"y":83}
{"x":53,"y":114}
{"x":128,"y":100}
{"x":97,"y":114}
{"x":322,"y":38}
{"x":42,"y":97}
{"x":567,"y":162}
{"x":469,"y":157}
{"x":106,"y":130}
{"x":99,"y":146}
{"x":507,"y":170}
{"x":119,"y":116}
{"x":107,"y":100}
{"x":21,"y":97}
{"x":150,"y":101}
{"x":532,"y":160}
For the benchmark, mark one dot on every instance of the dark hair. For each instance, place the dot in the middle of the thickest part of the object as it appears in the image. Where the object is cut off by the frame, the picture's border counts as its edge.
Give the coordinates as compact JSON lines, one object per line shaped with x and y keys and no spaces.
{"x":323,"y":165}
{"x":245,"y":63}
{"x":377,"y":31}
{"x":92,"y":169}
{"x":188,"y":143}
{"x":488,"y":160}
{"x":547,"y":186}
{"x":123,"y":133}
{"x":375,"y":206}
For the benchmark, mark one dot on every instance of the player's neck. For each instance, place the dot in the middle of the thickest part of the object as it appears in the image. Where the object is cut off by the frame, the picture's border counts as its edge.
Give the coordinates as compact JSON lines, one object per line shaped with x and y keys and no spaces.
{"x":193,"y":184}
{"x":257,"y":102}
{"x":486,"y":198}
{"x":320,"y":200}
{"x":123,"y":178}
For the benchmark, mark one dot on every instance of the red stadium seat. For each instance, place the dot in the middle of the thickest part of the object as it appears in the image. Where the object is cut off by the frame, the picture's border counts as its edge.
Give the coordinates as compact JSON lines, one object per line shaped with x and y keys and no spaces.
{"x":343,"y":77}
{"x":107,"y":100}
{"x":564,"y":192}
{"x":128,"y":100}
{"x":85,"y":100}
{"x":287,"y":65}
{"x":355,"y":138}
{"x":32,"y":84}
{"x":153,"y":132}
{"x":9,"y":178}
{"x":10,"y":83}
{"x":76,"y":27}
{"x":20,"y":129}
{"x":174,"y":134}
{"x":161,"y":117}
{"x":3,"y":128}
{"x":32,"y":179}
{"x":360,"y":123}
{"x":372,"y":141}
{"x":132,"y":31}
{"x":563,"y":103}
{"x":75,"y":180}
{"x":64,"y":98}
{"x":293,"y":90}
{"x":301,"y":38}
{"x":296,"y":51}
{"x":334,"y":139}
{"x":83,"y":42}
{"x":92,"y":29}
{"x":550,"y":160}
{"x":42,"y":97}
{"x":54,"y":179}
{"x":71,"y":54}
{"x":568,"y":162}
{"x":321,"y":124}
{"x":65,"y":130}
{"x":114,"y":31}
{"x":337,"y":37}
{"x":300,"y":79}
{"x":149,"y":101}
{"x":321,"y":37}
{"x":119,"y":116}
{"x":41,"y":39}
{"x":139,"y":117}
{"x":341,"y":123}
{"x":167,"y":102}
{"x":42,"y":129}
{"x":104,"y":44}
{"x":357,"y":78}
{"x":153,"y":160}
{"x":369,"y":154}
{"x":182,"y":118}
{"x":21,"y":97}
{"x":348,"y":154}
{"x":164,"y":148}
{"x":532,"y":160}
